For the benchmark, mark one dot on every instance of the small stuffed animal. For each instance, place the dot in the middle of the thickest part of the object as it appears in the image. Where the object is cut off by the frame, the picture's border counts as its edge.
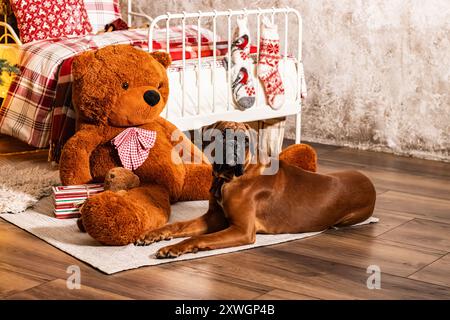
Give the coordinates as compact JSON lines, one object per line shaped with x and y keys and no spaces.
{"x":121,"y":179}
{"x":119,"y":93}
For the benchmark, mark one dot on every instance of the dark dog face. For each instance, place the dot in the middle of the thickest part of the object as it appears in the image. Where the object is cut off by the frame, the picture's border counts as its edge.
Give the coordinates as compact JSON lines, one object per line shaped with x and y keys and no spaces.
{"x":232,"y":148}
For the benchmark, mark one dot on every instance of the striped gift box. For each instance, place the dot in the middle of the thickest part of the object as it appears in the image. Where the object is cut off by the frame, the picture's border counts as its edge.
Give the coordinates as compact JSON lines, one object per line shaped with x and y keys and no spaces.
{"x":68,"y":199}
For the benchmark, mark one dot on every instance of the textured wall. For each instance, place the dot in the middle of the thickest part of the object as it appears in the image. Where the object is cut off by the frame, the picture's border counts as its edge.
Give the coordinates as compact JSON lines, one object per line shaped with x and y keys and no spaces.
{"x":377,"y":70}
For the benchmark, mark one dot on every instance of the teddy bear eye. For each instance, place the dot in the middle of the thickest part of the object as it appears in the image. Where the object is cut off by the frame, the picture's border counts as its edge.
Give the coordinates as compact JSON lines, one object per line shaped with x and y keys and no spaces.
{"x":125,"y":85}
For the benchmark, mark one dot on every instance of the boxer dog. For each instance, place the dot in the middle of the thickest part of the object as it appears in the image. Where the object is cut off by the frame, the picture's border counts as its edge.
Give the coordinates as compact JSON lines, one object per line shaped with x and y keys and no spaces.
{"x":245,"y":201}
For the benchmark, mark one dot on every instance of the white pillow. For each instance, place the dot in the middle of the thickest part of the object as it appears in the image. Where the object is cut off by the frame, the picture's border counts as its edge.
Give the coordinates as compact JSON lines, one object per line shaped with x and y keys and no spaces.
{"x":102,"y":12}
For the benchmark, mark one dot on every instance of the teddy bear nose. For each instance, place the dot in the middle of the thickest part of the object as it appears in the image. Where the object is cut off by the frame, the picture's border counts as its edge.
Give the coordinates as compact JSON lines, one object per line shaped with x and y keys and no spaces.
{"x":151,"y":97}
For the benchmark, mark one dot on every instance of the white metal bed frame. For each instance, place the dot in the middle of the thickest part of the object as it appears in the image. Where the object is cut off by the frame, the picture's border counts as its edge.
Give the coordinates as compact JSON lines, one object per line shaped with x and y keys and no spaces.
{"x":260,"y":111}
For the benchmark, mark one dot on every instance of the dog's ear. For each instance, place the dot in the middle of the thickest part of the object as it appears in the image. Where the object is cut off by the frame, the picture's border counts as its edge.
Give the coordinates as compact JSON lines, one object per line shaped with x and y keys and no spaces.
{"x":213,"y":130}
{"x":248,"y":135}
{"x":219,"y":125}
{"x":239,"y":170}
{"x":251,"y":141}
{"x":211,"y":126}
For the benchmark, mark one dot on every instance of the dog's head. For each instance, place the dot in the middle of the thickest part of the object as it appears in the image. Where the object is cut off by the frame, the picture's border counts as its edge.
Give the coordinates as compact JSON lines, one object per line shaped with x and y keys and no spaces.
{"x":233,"y":147}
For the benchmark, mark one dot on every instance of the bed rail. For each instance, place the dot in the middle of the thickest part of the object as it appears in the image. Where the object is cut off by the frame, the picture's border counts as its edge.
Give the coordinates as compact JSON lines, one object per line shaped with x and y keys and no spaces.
{"x":252,"y":114}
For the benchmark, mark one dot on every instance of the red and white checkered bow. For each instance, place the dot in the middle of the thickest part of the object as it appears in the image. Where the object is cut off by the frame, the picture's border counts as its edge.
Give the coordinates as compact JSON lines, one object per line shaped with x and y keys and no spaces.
{"x":133,"y":146}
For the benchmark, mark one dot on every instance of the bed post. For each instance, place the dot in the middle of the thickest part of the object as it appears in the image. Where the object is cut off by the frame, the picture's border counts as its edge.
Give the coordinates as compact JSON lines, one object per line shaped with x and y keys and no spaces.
{"x":129,"y":3}
{"x":298,"y":116}
{"x":298,"y":127}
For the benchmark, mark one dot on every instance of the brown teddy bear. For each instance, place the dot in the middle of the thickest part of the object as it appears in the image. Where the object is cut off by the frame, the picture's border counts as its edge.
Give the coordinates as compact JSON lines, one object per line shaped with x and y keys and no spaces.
{"x":117,"y":88}
{"x":119,"y":93}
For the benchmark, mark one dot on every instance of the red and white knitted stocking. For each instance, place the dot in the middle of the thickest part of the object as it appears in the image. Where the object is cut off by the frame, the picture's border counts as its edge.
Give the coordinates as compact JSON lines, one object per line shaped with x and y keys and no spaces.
{"x":269,"y":58}
{"x":242,"y":78}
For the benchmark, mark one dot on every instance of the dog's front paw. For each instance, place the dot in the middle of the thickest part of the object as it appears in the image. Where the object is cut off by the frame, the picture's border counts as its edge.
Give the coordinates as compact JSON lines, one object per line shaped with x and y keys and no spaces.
{"x":174,"y":251}
{"x":152,"y":237}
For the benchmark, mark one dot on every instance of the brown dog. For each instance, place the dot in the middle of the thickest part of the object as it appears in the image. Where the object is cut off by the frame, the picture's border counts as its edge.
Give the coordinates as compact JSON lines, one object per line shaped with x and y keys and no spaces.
{"x":244,"y":201}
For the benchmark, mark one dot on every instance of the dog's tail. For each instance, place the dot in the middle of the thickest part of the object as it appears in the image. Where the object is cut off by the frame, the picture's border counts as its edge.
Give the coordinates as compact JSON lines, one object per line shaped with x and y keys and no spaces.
{"x":300,"y":155}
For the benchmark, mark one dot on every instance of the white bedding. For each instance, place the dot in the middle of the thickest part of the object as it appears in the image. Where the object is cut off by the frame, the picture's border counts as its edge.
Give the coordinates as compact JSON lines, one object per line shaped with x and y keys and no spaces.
{"x":174,"y":107}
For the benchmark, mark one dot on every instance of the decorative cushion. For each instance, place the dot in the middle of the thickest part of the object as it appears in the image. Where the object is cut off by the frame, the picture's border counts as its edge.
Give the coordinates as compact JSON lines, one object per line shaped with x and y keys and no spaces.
{"x":102,"y":12}
{"x":47,"y":19}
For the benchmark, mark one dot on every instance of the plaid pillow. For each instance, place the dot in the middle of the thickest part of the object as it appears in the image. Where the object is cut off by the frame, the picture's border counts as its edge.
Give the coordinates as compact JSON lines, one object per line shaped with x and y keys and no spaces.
{"x":102,"y":12}
{"x":48,"y":19}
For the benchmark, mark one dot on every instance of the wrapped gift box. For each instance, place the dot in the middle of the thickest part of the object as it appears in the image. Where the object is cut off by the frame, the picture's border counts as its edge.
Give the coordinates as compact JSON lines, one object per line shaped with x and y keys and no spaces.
{"x":68,"y":199}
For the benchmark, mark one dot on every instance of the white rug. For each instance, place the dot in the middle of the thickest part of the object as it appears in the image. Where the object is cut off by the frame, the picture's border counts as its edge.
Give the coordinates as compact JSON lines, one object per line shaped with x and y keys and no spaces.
{"x":64,"y":235}
{"x":23,"y":184}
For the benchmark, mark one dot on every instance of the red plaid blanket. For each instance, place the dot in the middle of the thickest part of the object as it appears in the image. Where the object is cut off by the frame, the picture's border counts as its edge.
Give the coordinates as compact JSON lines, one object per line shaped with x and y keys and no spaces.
{"x":29,"y":106}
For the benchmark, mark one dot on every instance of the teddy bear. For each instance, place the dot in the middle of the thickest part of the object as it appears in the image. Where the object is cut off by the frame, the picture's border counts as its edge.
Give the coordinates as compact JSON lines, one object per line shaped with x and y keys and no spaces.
{"x":145,"y":162}
{"x":122,"y":90}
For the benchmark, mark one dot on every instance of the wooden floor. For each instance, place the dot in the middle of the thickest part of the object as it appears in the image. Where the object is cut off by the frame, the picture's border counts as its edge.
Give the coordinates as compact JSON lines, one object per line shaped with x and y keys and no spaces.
{"x":410,"y":244}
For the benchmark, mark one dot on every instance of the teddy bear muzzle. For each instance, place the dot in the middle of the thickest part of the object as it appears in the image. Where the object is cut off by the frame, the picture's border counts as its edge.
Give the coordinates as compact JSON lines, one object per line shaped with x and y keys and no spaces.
{"x":151,"y":97}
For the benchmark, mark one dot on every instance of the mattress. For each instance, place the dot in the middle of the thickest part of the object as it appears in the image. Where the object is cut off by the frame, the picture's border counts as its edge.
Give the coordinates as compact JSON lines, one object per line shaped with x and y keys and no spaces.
{"x":205,"y":104}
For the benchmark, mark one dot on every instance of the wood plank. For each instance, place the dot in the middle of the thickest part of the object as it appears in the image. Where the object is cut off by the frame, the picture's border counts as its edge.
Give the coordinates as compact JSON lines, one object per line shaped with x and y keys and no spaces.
{"x":279,"y":294}
{"x":5,"y":226}
{"x":384,"y":179}
{"x":351,"y":233}
{"x":415,"y":205}
{"x":424,"y":233}
{"x":12,"y":282}
{"x":28,"y":255}
{"x":57,"y":290}
{"x":320,"y":148}
{"x":362,"y":252}
{"x":438,"y":272}
{"x":319,"y":278}
{"x":330,"y":266}
{"x":37,"y":159}
{"x":389,"y":220}
{"x":326,"y":166}
{"x":9,"y":144}
{"x":390,"y":161}
{"x":410,"y":183}
{"x":178,"y":280}
{"x":174,"y":281}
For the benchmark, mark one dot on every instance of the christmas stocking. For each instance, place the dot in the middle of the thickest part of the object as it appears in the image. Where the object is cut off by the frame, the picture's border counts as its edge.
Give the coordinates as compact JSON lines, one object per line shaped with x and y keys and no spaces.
{"x":269,"y":58}
{"x":242,"y":78}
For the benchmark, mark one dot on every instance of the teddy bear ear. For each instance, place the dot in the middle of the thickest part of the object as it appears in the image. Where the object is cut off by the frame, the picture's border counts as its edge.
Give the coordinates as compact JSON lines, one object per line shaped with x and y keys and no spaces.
{"x":162,"y":57}
{"x":82,"y":64}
